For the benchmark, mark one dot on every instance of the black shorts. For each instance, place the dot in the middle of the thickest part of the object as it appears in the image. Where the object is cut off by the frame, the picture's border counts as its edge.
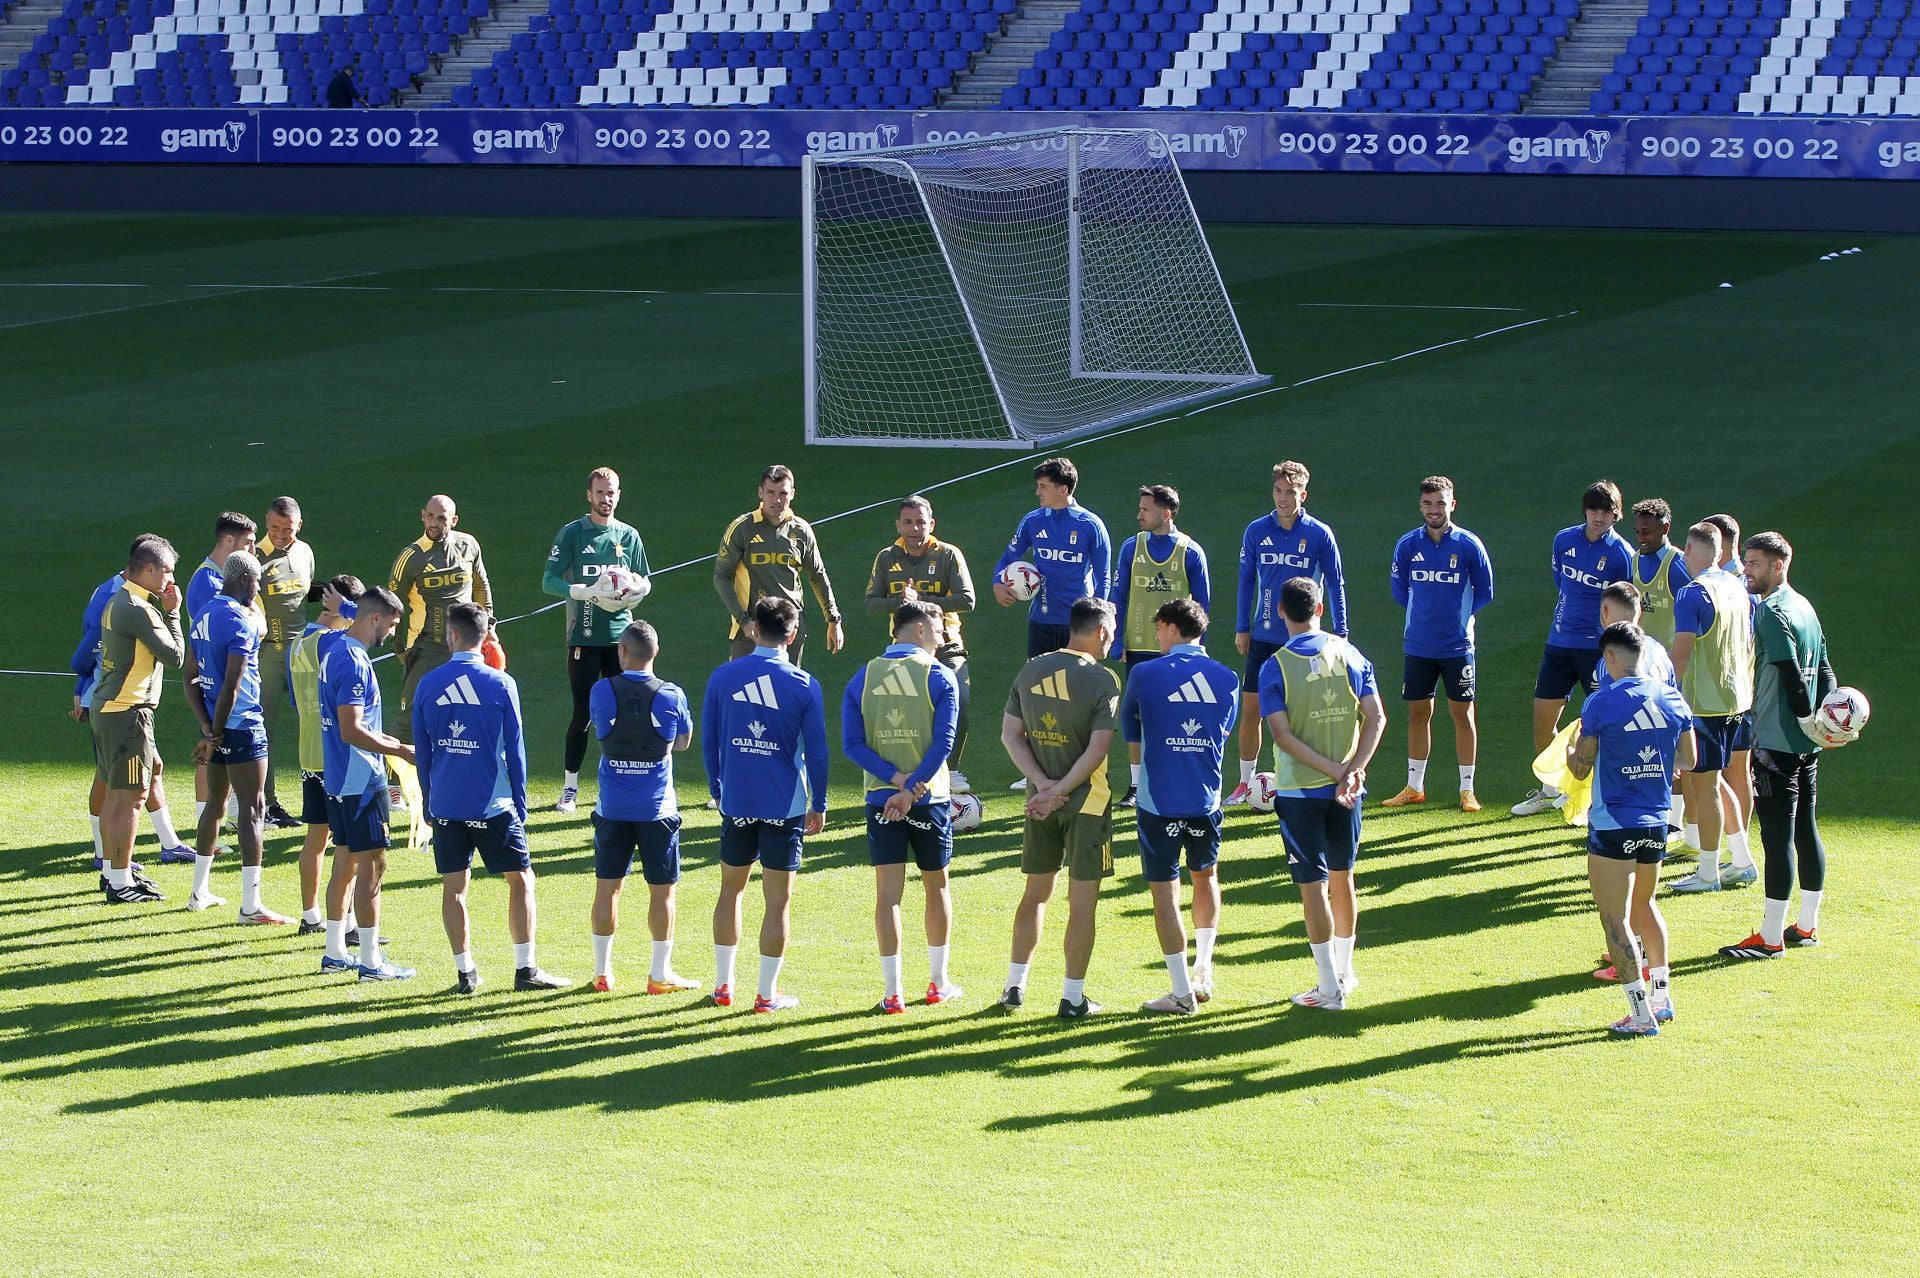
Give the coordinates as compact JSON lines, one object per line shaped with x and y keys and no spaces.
{"x":500,"y":840}
{"x":927,"y":833}
{"x":1647,"y":846}
{"x":1045,"y":637}
{"x":313,"y":798}
{"x":657,"y":843}
{"x":1420,"y":675}
{"x":772,"y":841}
{"x":1132,"y":659}
{"x":245,"y":744}
{"x":1164,"y":838}
{"x":1562,"y":668}
{"x":1258,"y":650}
{"x":359,"y":821}
{"x":1320,"y":835}
{"x":1715,"y":739}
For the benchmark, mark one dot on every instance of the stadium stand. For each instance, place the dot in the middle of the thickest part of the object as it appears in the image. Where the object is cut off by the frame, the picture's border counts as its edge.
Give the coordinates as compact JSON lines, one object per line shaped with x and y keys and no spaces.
{"x":1822,"y":57}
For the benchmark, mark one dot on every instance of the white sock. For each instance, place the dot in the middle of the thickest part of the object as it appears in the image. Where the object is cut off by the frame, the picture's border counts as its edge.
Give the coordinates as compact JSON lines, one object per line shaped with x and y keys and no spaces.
{"x":723,"y":965}
{"x":573,"y":781}
{"x":1773,"y":921}
{"x":119,"y":878}
{"x":1673,"y":814}
{"x":602,"y":955}
{"x":1663,"y":986}
{"x":463,"y":961}
{"x":1075,"y":992}
{"x":1177,"y":969}
{"x":1203,"y":940}
{"x":1133,"y":775}
{"x":249,"y":887}
{"x":1416,"y":774}
{"x":522,"y":954}
{"x":770,"y":975}
{"x":1639,"y":1001}
{"x":1692,"y":834}
{"x":1323,"y":964}
{"x":99,"y":845}
{"x":1466,"y":777}
{"x":233,"y":806}
{"x":1342,"y":956}
{"x":1549,"y":790}
{"x":161,"y":819}
{"x":937,"y":965}
{"x":1737,"y":846}
{"x":337,"y":938}
{"x":310,"y":916}
{"x":1809,"y":910}
{"x":202,"y":871}
{"x":890,"y":974}
{"x":661,"y":962}
{"x":348,"y":921}
{"x":1709,"y":863}
{"x":1017,"y":975}
{"x":199,"y":810}
{"x":1246,"y":771}
{"x":370,"y":946}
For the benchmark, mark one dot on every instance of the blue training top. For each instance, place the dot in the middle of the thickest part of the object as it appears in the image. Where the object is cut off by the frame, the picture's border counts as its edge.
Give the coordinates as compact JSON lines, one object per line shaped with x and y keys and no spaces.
{"x":1181,"y":709}
{"x":468,"y":742}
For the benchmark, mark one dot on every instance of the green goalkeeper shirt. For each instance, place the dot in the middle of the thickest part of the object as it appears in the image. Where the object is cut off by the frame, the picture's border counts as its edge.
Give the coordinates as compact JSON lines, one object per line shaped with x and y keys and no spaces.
{"x":581,"y":552}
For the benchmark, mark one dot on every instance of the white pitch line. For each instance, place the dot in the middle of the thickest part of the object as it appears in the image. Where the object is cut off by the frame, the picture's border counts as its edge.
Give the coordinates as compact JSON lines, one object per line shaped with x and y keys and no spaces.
{"x":233,"y":290}
{"x":14,"y":284}
{"x":1021,"y":461}
{"x":615,"y":292}
{"x":1405,"y":306}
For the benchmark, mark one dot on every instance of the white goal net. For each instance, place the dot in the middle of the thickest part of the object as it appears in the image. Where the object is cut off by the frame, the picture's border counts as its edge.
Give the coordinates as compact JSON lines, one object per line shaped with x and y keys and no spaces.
{"x":1014,"y":290}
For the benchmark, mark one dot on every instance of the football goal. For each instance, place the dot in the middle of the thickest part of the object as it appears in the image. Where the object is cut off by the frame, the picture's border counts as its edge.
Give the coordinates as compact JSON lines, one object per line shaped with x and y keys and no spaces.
{"x":1012,"y":291}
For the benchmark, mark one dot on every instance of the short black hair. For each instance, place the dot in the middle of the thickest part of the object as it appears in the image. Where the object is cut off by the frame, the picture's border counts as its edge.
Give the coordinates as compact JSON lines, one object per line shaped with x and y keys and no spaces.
{"x":285,"y":507}
{"x":469,"y":621}
{"x":1184,"y":615}
{"x":641,"y":639}
{"x":1060,"y":471}
{"x":151,"y":550}
{"x":774,"y":620}
{"x":1165,"y":496}
{"x":775,"y":474}
{"x":1623,"y":636}
{"x":1436,"y":484}
{"x":1772,"y":545}
{"x":1729,"y":531}
{"x":232,"y":523}
{"x":346,"y":584}
{"x":919,"y":610}
{"x":1656,"y":507}
{"x":1088,"y":615}
{"x":379,"y":599}
{"x":1299,"y":596}
{"x":1601,"y":494}
{"x":1624,"y":594}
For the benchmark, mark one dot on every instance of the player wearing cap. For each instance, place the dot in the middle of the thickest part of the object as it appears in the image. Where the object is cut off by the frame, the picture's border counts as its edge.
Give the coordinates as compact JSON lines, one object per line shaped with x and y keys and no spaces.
{"x":1323,"y":708}
{"x":772,"y":552}
{"x":898,"y":718}
{"x":919,"y":567}
{"x":286,"y":579}
{"x":641,"y":721}
{"x":1157,"y":565}
{"x":1275,"y":548}
{"x":1442,"y":576}
{"x":1179,"y":710}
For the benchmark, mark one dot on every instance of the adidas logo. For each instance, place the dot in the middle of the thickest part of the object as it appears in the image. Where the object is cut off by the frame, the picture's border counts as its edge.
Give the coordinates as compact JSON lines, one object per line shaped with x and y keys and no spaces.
{"x":1567,"y":553}
{"x":1040,"y":535}
{"x":759,"y":693}
{"x":1420,"y":557}
{"x":1646,"y":720}
{"x":1266,"y":541}
{"x":1194,"y":689}
{"x":1055,"y":686}
{"x":896,"y":684}
{"x":757,"y":539}
{"x":459,"y":693}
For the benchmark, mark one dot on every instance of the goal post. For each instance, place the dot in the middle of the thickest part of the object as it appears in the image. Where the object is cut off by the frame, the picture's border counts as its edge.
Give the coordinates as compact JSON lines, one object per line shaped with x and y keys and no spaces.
{"x":1010,"y":291}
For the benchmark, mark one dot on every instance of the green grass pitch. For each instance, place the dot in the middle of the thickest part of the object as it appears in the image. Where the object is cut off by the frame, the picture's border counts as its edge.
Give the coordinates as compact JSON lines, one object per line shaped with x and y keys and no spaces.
{"x":178,"y":1094}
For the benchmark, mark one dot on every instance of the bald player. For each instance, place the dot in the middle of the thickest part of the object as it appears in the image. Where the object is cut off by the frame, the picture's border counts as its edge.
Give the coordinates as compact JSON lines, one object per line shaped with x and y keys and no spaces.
{"x":438,"y":569}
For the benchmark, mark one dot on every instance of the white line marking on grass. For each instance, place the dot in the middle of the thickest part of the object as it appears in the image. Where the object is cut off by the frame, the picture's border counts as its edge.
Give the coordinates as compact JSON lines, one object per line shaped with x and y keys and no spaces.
{"x":233,"y":290}
{"x":1404,"y":306}
{"x":1024,"y":460}
{"x":12,"y":284}
{"x":615,"y":292}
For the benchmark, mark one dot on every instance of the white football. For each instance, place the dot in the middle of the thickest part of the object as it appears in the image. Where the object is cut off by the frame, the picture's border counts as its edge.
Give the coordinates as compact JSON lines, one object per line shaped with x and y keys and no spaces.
{"x":966,"y":812}
{"x":619,"y":589}
{"x":1841,"y":716}
{"x":1260,"y":792}
{"x":1021,"y":579}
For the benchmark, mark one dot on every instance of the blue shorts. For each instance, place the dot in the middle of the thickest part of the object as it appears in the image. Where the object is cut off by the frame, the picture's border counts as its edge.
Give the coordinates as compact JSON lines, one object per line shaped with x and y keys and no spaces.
{"x":244,"y":744}
{"x":657,"y":842}
{"x":1258,"y":650}
{"x":927,"y":833}
{"x":1132,"y":659}
{"x":359,"y":822}
{"x":500,"y":840}
{"x":772,"y":841}
{"x":1420,"y":675}
{"x":1646,"y":846}
{"x":1164,"y":838}
{"x":1320,"y":835}
{"x":1562,"y":668}
{"x":1046,"y":636}
{"x":1716,"y":737}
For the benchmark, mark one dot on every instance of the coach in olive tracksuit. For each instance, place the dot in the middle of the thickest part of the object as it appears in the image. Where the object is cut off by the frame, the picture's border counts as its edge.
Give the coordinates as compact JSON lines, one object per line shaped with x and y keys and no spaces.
{"x":919,"y":567}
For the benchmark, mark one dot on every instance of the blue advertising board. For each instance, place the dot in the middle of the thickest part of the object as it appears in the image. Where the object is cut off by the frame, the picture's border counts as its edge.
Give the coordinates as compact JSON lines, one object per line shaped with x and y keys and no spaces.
{"x":1681,"y":146}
